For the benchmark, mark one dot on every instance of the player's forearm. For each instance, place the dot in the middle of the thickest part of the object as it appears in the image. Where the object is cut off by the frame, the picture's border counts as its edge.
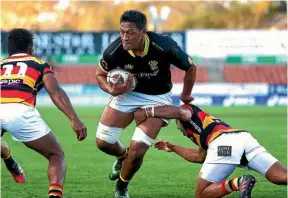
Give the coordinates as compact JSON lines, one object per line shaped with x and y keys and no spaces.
{"x":103,"y":84}
{"x":169,"y":112}
{"x":189,"y":154}
{"x":189,"y":80}
{"x":62,"y":101}
{"x":166,"y":112}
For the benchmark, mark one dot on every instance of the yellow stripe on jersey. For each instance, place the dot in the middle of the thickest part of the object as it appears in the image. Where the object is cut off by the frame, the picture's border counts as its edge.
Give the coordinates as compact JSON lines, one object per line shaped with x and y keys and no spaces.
{"x":146,"y":48}
{"x":26,"y":79}
{"x":217,"y":133}
{"x":208,"y":120}
{"x":102,"y":68}
{"x":14,"y":100}
{"x":197,"y":138}
{"x":22,"y":59}
{"x":38,"y":61}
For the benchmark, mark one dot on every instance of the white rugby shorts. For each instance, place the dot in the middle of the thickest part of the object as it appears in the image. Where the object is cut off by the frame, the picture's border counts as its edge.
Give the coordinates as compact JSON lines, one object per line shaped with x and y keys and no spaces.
{"x":23,"y":122}
{"x":131,"y":101}
{"x":225,"y":152}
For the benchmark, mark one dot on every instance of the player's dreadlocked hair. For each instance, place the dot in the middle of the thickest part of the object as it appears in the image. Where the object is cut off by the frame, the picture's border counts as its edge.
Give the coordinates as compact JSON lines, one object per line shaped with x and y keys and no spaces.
{"x":19,"y":41}
{"x":134,"y":16}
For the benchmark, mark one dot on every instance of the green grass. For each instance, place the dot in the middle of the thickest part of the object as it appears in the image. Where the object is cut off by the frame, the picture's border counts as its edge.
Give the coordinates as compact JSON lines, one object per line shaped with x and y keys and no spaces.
{"x":162,"y":174}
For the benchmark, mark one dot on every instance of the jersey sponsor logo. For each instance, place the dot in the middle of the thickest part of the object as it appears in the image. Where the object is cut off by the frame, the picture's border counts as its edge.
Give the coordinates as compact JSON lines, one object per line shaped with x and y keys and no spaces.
{"x":11,"y":81}
{"x":147,"y":75}
{"x":153,"y":65}
{"x":224,"y":151}
{"x":195,"y":126}
{"x":129,"y":67}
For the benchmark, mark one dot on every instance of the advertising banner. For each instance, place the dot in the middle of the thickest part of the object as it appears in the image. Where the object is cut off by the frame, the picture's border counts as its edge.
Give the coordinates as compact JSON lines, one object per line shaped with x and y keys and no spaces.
{"x":221,"y":43}
{"x":209,"y":94}
{"x":78,"y":43}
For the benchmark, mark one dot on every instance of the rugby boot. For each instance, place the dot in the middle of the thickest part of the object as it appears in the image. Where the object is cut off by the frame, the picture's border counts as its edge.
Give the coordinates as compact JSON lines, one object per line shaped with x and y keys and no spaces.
{"x":116,"y":168}
{"x":122,"y":193}
{"x":246,"y":185}
{"x":15,"y":170}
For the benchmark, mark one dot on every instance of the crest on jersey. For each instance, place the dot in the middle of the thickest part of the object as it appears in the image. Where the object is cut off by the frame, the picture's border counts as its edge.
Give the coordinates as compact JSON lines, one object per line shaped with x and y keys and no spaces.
{"x":153,"y":65}
{"x":129,"y":67}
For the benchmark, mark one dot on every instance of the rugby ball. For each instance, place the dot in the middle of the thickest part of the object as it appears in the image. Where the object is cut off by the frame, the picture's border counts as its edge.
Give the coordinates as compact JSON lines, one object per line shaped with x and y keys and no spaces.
{"x":114,"y":74}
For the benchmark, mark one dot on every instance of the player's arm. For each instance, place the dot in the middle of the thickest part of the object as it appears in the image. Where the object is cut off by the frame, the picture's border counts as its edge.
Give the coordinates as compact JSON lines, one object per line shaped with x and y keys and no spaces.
{"x":61,"y":100}
{"x":189,"y":154}
{"x":58,"y":96}
{"x":101,"y":78}
{"x":180,"y":59}
{"x":165,"y":112}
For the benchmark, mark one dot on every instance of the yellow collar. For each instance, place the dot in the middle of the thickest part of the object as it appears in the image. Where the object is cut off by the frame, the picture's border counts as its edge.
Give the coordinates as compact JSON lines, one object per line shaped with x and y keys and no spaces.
{"x":146,"y":48}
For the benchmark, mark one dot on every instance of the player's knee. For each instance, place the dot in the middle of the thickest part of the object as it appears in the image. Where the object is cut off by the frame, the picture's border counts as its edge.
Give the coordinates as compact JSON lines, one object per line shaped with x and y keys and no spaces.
{"x":56,"y":155}
{"x":59,"y":153}
{"x":277,"y":174}
{"x":283,"y":178}
{"x":106,"y":135}
{"x":141,"y":137}
{"x":279,"y":179}
{"x":102,"y":145}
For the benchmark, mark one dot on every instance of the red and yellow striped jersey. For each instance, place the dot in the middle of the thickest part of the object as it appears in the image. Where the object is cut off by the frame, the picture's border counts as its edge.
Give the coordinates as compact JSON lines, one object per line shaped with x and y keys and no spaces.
{"x":203,"y":128}
{"x":21,"y":78}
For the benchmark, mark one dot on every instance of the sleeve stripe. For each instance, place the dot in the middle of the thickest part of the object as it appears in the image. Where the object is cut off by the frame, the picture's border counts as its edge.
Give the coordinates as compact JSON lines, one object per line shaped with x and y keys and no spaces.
{"x":48,"y":72}
{"x":102,"y":68}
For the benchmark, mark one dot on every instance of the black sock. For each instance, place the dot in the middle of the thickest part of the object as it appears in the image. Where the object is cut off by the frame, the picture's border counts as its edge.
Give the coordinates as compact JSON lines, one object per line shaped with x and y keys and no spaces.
{"x":51,"y":196}
{"x":121,"y":185}
{"x":9,"y":163}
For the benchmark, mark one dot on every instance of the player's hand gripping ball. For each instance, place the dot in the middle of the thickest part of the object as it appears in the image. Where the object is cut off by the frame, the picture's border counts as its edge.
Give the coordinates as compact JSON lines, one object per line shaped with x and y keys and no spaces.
{"x":121,"y":76}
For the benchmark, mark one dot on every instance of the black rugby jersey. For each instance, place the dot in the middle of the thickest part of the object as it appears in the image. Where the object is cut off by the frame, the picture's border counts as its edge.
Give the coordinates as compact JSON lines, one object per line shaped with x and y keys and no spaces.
{"x":203,"y":128}
{"x":152,"y":70}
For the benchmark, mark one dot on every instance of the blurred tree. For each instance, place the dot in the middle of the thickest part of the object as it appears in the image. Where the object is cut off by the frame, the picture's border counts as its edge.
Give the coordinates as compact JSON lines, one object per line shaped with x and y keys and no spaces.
{"x":104,"y":15}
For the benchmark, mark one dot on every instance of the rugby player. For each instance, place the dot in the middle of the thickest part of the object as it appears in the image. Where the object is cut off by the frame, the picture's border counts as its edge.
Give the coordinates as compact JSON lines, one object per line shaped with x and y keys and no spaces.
{"x":12,"y":166}
{"x":221,"y":149}
{"x":148,"y":57}
{"x":22,"y":77}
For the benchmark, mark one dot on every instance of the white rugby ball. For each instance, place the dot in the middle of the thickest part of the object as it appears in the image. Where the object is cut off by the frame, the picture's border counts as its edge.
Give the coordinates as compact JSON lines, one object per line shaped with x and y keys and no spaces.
{"x":113,"y":75}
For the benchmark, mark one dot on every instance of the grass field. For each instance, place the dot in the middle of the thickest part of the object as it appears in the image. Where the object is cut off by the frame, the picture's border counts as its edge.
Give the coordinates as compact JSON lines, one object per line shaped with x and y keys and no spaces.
{"x":163,"y":175}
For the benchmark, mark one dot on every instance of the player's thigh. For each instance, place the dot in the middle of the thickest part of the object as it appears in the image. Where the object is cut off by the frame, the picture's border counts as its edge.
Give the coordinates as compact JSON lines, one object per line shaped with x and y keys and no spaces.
{"x":201,"y":185}
{"x":114,"y":118}
{"x":24,"y":123}
{"x":144,"y":137}
{"x":277,"y":174}
{"x":151,"y":127}
{"x":46,"y":146}
{"x":212,"y":173}
{"x":216,"y":172}
{"x":267,"y":165}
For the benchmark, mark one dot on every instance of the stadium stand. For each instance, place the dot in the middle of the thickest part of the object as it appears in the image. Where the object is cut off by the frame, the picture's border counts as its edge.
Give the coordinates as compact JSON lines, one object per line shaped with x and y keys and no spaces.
{"x":85,"y":74}
{"x":247,"y":73}
{"x":232,"y":73}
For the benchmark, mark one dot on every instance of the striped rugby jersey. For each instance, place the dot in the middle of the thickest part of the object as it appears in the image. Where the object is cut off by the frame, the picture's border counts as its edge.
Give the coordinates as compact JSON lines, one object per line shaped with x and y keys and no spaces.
{"x":21,"y":78}
{"x":203,"y":128}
